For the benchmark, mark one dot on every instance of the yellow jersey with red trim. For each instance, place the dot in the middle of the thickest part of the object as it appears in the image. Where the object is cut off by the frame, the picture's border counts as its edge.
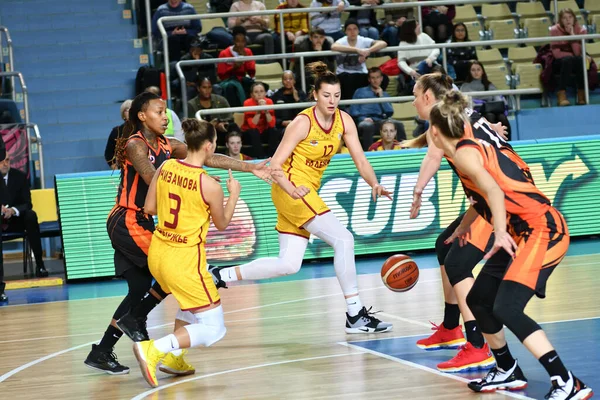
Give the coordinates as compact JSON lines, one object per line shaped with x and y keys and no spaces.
{"x":183,"y":214}
{"x":313,"y":154}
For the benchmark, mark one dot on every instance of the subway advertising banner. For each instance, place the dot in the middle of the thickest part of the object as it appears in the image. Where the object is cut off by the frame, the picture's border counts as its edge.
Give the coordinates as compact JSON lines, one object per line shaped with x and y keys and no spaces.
{"x":566,"y":171}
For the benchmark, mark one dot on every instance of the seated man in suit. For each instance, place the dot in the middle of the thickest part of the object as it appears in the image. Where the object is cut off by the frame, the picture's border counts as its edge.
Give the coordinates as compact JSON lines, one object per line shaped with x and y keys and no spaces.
{"x":17,"y":212}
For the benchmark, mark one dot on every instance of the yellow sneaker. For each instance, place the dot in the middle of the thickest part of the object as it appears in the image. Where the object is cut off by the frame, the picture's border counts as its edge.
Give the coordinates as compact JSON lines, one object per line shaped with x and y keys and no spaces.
{"x":148,"y":358}
{"x":176,"y":365}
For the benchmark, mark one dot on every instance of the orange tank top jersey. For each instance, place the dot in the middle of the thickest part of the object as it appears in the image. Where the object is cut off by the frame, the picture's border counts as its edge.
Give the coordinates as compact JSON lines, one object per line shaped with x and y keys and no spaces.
{"x":132,"y":188}
{"x":523,"y":200}
{"x":183,"y":219}
{"x":312,"y":155}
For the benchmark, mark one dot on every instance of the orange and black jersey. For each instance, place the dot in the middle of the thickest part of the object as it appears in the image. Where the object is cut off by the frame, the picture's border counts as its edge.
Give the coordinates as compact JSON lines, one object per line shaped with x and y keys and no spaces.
{"x":522,"y":199}
{"x":132,"y":188}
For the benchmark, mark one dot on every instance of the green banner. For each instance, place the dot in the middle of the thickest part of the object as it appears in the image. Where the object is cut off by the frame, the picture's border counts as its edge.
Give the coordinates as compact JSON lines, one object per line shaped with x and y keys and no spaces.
{"x":566,"y":171}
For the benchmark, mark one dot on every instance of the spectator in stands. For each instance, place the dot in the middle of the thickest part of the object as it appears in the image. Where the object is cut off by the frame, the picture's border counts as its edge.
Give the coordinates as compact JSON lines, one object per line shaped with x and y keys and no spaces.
{"x":194,"y":73}
{"x":259,"y":126}
{"x":234,"y":146}
{"x":207,"y":100}
{"x":492,"y":107}
{"x":257,"y":26}
{"x":367,"y":20}
{"x":287,"y":94}
{"x":180,"y":33}
{"x":174,"y":128}
{"x":394,"y":18}
{"x":3,"y":297}
{"x":567,"y":56}
{"x":295,"y":25}
{"x":414,"y":63}
{"x":388,"y":139}
{"x":329,"y":21}
{"x":236,"y":77}
{"x":116,"y":133}
{"x":370,"y":116}
{"x":351,"y":66}
{"x":460,"y":58}
{"x":316,"y":41}
{"x":437,"y":21}
{"x":18,"y":214}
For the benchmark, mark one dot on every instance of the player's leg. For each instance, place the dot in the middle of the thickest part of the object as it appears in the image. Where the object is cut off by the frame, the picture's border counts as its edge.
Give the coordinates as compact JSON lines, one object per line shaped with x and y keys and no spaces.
{"x":174,"y":362}
{"x":329,"y":229}
{"x":102,"y":357}
{"x":133,"y":323}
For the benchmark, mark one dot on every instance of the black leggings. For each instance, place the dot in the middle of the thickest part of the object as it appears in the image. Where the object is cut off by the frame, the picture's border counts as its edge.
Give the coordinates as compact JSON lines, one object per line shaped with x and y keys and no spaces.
{"x":139,"y":281}
{"x":496,"y":302}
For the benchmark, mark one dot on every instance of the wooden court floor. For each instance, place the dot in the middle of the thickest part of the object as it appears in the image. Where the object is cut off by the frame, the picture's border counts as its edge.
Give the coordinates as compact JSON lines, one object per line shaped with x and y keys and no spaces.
{"x":285,"y":340}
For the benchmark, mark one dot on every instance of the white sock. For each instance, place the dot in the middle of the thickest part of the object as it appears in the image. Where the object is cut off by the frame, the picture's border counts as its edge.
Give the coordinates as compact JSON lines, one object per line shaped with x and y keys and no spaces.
{"x":228,"y":274}
{"x":354,"y":305}
{"x":177,"y":353}
{"x":167,"y":344}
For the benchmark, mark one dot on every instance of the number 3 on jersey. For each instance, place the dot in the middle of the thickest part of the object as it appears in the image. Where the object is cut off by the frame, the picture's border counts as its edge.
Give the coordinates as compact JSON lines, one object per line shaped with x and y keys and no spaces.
{"x":174,"y":211}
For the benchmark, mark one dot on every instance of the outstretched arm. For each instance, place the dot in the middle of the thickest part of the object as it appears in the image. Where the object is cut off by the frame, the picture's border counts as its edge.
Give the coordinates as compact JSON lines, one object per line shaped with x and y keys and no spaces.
{"x":221,"y":161}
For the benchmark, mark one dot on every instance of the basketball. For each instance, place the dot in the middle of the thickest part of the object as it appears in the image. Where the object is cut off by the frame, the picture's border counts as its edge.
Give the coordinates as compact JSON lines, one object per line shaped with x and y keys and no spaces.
{"x":400,"y":273}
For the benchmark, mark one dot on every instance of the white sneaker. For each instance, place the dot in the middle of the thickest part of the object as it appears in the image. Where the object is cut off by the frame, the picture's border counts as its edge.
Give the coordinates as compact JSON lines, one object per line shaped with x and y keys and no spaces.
{"x":365,"y":322}
{"x":573,"y":389}
{"x":498,"y":379}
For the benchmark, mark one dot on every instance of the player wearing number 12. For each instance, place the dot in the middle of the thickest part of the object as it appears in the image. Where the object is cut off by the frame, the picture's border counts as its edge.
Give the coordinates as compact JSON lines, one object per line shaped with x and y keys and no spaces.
{"x":309,"y":143}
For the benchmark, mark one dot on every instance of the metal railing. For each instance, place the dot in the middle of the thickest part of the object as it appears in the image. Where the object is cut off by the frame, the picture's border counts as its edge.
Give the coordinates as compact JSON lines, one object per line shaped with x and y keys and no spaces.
{"x":395,"y":99}
{"x":412,"y":4}
{"x":11,"y":60}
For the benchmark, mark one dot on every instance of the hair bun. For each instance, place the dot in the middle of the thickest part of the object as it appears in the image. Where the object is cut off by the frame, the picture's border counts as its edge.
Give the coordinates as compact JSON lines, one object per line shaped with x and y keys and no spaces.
{"x":190,"y":124}
{"x":454,"y":101}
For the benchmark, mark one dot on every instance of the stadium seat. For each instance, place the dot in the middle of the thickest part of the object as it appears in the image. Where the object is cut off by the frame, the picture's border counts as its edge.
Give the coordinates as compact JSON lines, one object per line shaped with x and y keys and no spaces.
{"x":377,"y":61}
{"x":270,"y":74}
{"x":593,"y":49}
{"x":529,"y":76}
{"x":392,"y":87}
{"x":503,"y":29}
{"x":490,"y":57}
{"x":238,"y":118}
{"x":592,"y":6}
{"x":404,"y":111}
{"x":494,"y":12}
{"x":595,"y":20}
{"x":497,"y":75}
{"x":474,"y":28}
{"x":521,"y":55}
{"x":209,"y":24}
{"x":465,"y":13}
{"x":201,"y":6}
{"x":531,"y":10}
{"x":537,"y":27}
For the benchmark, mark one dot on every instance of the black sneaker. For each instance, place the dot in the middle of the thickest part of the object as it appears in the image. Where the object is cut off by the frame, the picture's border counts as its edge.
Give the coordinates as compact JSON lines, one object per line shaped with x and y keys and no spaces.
{"x":216,"y":274}
{"x":573,"y":389}
{"x":104,"y":361}
{"x":498,"y":379}
{"x":365,"y":322}
{"x":134,"y":328}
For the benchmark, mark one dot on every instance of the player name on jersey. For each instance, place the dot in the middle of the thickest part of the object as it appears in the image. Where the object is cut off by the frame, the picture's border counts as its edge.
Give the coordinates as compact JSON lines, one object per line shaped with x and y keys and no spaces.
{"x":181,"y":181}
{"x":317,"y":163}
{"x":173,"y":237}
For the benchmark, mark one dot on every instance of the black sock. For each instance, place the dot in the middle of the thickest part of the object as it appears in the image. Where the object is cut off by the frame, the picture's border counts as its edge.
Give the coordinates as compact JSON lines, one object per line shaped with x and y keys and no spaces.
{"x":504,"y":359}
{"x":451,"y":315}
{"x":110,"y":338}
{"x":474,"y":335}
{"x":554,"y":365}
{"x":144,"y":307}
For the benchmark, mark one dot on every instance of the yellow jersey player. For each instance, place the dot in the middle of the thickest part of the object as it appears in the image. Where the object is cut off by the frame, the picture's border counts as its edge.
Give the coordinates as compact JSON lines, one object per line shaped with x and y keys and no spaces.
{"x":185,"y":198}
{"x":309,"y":143}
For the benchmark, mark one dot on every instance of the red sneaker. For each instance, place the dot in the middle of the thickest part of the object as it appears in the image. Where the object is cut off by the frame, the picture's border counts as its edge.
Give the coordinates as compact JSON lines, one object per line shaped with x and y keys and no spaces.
{"x":469,"y":358}
{"x":443,"y":338}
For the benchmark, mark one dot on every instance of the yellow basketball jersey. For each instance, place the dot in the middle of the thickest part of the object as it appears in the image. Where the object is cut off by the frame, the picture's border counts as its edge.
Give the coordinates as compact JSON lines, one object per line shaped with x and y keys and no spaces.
{"x":312,"y":155}
{"x":183,"y":215}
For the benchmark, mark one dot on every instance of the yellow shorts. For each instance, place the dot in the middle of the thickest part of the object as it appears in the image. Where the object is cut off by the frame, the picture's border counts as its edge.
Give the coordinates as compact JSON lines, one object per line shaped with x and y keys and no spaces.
{"x":293,"y":214}
{"x":182,"y":271}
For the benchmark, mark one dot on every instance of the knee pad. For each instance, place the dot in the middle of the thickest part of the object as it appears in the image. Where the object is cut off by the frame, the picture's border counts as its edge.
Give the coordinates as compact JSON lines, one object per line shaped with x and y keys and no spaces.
{"x":460,"y":262}
{"x":344,"y":240}
{"x":186,"y":316}
{"x":208,"y":328}
{"x":479,"y":302}
{"x":288,"y":266}
{"x":509,"y":309}
{"x":441,"y":248}
{"x":156,"y":287}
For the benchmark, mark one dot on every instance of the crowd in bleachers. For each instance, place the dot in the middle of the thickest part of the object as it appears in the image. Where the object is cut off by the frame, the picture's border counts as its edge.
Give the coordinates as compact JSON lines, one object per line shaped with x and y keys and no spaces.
{"x":359,"y":36}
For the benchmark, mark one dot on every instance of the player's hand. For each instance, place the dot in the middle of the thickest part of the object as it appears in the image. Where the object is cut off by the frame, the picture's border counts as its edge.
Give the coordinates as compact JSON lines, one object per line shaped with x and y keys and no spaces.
{"x":416,"y":203}
{"x":262,"y":171}
{"x":379,"y":191}
{"x":500,"y":129}
{"x":233,"y":185}
{"x":502,"y":240}
{"x":463,"y":233}
{"x":299,"y":192}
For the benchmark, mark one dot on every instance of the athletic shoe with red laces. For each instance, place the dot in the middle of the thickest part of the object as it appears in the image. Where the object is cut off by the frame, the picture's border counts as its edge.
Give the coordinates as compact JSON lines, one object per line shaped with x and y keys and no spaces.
{"x":469,"y":358}
{"x":443,"y":338}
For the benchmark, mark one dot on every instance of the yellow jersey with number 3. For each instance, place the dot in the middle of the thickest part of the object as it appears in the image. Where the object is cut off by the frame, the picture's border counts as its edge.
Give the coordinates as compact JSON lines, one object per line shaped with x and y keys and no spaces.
{"x":312,"y":155}
{"x":183,"y":215}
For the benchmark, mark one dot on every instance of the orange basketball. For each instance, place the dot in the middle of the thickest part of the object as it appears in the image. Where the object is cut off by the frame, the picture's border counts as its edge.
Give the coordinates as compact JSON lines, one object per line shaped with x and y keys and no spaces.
{"x":400,"y":273}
